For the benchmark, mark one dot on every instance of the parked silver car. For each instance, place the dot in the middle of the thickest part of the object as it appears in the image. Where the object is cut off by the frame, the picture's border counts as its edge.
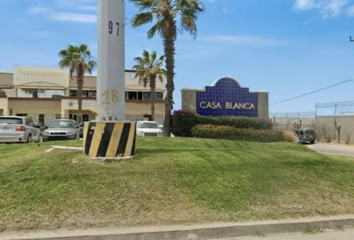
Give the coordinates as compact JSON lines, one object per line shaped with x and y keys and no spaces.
{"x":61,"y":129}
{"x":306,"y":135}
{"x":18,"y":129}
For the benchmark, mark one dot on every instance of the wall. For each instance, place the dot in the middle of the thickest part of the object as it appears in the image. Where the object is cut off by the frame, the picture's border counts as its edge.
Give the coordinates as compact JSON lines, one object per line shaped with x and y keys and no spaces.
{"x":327,"y":123}
{"x":321,"y":124}
{"x":53,"y":78}
{"x":263,"y":102}
{"x":6,"y":80}
{"x":56,"y":78}
{"x":3,"y":105}
{"x":189,"y":99}
{"x":33,"y":107}
{"x":135,"y":110}
{"x":289,"y":122}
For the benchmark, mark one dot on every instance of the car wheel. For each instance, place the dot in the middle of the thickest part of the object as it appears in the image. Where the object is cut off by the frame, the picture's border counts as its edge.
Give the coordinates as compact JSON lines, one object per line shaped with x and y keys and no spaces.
{"x":29,"y":138}
{"x":312,"y":142}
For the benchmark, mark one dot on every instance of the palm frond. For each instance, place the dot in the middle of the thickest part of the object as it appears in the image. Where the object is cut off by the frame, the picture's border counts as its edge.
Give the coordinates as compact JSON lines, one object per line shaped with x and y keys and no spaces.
{"x":142,"y":18}
{"x":157,"y":28}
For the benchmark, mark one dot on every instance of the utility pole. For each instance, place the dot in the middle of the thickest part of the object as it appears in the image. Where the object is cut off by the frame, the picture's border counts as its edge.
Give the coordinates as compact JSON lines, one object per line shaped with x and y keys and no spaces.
{"x":110,"y":66}
{"x":110,"y":136}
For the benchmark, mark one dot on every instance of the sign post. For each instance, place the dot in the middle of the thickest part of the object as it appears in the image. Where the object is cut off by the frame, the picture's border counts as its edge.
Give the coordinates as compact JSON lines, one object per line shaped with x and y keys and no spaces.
{"x":110,"y":136}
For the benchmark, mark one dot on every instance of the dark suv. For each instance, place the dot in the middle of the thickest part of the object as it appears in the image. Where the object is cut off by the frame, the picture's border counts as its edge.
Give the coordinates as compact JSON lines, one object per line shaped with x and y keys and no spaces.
{"x":306,"y":135}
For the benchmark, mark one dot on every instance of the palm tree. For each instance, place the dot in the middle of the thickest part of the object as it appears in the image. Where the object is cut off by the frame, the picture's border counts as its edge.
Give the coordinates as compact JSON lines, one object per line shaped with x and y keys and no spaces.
{"x":165,"y":12}
{"x":78,"y":60}
{"x":148,"y":69}
{"x":33,"y":92}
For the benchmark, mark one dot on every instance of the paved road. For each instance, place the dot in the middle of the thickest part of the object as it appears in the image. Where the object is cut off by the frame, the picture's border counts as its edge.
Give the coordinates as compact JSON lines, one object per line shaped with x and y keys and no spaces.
{"x":333,"y":149}
{"x":347,"y":234}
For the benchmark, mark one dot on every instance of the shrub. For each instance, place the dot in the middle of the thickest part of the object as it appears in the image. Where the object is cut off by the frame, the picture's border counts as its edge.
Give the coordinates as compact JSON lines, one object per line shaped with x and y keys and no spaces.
{"x":290,"y":136}
{"x":323,"y":134}
{"x":327,"y":136}
{"x":348,"y":138}
{"x":230,"y":132}
{"x":182,"y":123}
{"x":238,"y":122}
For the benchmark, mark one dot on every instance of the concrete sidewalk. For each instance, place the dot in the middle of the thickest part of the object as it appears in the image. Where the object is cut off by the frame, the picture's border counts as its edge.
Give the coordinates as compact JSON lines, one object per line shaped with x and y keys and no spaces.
{"x":333,"y":149}
{"x":345,"y":234}
{"x":202,"y":231}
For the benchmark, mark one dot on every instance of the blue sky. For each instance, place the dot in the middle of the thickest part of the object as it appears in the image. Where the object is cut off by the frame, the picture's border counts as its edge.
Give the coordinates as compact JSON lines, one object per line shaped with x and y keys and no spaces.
{"x":287,"y":47}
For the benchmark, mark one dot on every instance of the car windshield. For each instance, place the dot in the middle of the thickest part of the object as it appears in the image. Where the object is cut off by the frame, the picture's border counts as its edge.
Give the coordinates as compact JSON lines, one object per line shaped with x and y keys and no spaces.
{"x":62,"y":124}
{"x":149,"y":125}
{"x":11,"y":120}
{"x":309,"y":132}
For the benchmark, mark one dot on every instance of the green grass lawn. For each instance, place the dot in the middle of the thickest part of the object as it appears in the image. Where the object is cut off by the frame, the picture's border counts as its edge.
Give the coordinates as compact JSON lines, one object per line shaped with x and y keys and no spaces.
{"x":170,"y":181}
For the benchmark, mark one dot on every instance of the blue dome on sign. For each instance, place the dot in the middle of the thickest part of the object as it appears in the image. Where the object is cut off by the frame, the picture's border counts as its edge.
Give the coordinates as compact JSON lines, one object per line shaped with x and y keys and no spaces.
{"x":225,"y":81}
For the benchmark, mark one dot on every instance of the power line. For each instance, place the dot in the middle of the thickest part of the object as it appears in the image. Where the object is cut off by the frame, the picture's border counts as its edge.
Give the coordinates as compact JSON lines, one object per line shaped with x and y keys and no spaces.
{"x":302,"y":95}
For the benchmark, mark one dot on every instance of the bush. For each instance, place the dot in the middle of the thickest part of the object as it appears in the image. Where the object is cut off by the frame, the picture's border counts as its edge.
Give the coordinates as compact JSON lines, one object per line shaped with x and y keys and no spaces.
{"x":238,"y":122}
{"x":290,"y":136}
{"x":184,"y":121}
{"x":229,"y":132}
{"x":348,"y":138}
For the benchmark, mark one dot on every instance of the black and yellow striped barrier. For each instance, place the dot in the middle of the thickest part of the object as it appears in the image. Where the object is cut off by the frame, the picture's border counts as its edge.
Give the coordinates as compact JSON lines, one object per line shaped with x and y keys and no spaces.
{"x":109,"y":139}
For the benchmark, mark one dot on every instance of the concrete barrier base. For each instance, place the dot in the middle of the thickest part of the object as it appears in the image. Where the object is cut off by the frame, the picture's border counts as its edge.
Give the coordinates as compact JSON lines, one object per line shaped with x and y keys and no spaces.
{"x":109,"y":139}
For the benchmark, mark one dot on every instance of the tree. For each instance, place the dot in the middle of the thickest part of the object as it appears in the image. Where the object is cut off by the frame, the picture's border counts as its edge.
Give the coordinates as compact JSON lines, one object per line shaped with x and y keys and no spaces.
{"x":78,"y":60}
{"x":33,"y":92}
{"x":149,"y":68}
{"x":166,"y":12}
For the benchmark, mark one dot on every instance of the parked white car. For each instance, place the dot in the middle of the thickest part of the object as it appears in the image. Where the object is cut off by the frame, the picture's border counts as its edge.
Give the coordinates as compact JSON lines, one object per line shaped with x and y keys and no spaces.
{"x":61,"y":129}
{"x":148,"y":129}
{"x":15,"y":129}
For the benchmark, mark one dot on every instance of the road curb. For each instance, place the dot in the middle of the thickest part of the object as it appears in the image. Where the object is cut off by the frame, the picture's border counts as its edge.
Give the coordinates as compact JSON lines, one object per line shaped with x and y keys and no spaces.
{"x":194,"y":232}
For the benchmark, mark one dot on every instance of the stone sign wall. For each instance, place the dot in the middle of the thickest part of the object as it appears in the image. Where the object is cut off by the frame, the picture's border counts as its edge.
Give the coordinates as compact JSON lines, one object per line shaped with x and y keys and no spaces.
{"x":226,"y":98}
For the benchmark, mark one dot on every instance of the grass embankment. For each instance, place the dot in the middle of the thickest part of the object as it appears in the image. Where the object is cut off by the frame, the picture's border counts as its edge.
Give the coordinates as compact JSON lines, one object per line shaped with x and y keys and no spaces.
{"x":170,"y":181}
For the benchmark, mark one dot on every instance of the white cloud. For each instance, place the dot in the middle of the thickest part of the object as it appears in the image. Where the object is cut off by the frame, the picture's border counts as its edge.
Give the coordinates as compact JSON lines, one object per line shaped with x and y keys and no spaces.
{"x":326,"y":8}
{"x":88,"y":8}
{"x":305,"y":4}
{"x":350,"y":11}
{"x":84,"y":5}
{"x":57,"y":10}
{"x":72,"y":17}
{"x":333,"y":8}
{"x":37,"y":10}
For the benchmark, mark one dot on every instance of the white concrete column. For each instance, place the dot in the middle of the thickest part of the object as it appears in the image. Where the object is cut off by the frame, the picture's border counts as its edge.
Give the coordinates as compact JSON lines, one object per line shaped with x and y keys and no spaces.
{"x":67,"y":92}
{"x":110,"y":67}
{"x":63,"y":113}
{"x":14,"y":92}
